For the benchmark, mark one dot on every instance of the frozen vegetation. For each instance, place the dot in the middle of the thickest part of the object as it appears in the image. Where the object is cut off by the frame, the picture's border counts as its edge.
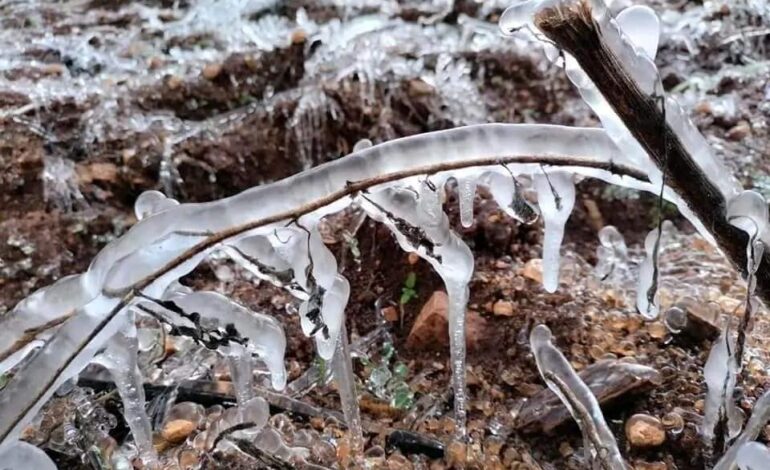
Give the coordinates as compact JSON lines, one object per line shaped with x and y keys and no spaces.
{"x":273,"y":230}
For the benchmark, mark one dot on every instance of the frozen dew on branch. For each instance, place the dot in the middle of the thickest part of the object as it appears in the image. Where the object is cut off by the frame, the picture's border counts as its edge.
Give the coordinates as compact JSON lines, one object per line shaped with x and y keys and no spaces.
{"x":556,"y":371}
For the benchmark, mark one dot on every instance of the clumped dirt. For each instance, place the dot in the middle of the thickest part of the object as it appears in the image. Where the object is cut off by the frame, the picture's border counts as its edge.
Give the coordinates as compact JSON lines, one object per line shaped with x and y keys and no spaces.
{"x":590,"y":321}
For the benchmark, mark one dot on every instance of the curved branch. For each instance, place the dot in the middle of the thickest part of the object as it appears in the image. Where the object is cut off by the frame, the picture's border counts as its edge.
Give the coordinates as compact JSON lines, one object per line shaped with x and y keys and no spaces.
{"x":316,"y":189}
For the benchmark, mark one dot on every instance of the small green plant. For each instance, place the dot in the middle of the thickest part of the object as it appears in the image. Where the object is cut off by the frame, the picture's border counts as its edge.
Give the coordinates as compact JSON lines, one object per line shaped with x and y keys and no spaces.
{"x":386,"y":383}
{"x":408,"y":292}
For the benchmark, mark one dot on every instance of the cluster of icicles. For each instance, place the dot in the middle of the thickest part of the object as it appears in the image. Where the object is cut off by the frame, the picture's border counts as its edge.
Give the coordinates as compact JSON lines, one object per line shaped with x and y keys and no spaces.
{"x":272,"y":231}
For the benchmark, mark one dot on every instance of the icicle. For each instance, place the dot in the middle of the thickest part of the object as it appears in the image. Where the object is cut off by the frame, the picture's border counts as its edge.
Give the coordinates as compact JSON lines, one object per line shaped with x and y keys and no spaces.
{"x":612,"y":256}
{"x":556,"y":197}
{"x":466,"y":192}
{"x":346,"y":386}
{"x":647,"y":300}
{"x":759,"y":418}
{"x":429,"y":235}
{"x":120,"y":359}
{"x":241,"y":372}
{"x":720,"y":374}
{"x":362,"y":144}
{"x":577,"y":397}
{"x":264,"y":334}
{"x":753,"y":456}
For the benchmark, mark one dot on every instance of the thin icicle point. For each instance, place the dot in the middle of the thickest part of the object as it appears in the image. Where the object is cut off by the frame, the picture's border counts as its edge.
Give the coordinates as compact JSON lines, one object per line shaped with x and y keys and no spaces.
{"x":753,"y":456}
{"x":647,"y":300}
{"x":720,"y":373}
{"x":759,"y":418}
{"x":120,"y":359}
{"x":577,"y":397}
{"x":241,"y":372}
{"x":612,"y":256}
{"x":556,"y":197}
{"x":466,"y":189}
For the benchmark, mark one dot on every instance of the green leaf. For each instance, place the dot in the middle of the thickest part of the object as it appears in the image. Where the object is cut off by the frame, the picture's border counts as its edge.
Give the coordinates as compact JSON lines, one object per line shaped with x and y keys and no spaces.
{"x":411,"y":280}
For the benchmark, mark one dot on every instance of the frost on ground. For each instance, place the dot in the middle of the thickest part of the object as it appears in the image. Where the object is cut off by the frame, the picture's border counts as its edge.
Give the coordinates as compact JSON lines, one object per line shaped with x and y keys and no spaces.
{"x":155,"y":82}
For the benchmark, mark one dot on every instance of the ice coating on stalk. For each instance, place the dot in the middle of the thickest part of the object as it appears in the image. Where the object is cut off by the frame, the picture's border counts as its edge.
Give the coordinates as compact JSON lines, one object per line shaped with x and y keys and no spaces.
{"x":346,"y":385}
{"x":720,"y":374}
{"x":466,"y":191}
{"x":507,"y":192}
{"x":758,"y":420}
{"x":241,"y":368}
{"x":152,"y":202}
{"x":429,"y":235}
{"x":265,"y":336}
{"x":753,"y":456}
{"x":21,"y":455}
{"x":577,"y":397}
{"x":120,"y":359}
{"x":128,"y":260}
{"x":556,"y":197}
{"x":647,"y":300}
{"x":612,"y":256}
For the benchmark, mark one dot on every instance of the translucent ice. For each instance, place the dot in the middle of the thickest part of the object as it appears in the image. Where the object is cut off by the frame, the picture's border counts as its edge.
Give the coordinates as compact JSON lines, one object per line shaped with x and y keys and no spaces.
{"x":556,"y":197}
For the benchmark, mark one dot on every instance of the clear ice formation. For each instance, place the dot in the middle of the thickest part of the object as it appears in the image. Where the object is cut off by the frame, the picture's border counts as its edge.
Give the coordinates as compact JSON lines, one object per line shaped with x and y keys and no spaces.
{"x":647,"y":300}
{"x":20,"y":454}
{"x":743,"y":453}
{"x":720,"y":374}
{"x":753,"y":456}
{"x":612,"y":257}
{"x":120,"y":358}
{"x":72,"y":318}
{"x":555,"y":197}
{"x":556,"y":371}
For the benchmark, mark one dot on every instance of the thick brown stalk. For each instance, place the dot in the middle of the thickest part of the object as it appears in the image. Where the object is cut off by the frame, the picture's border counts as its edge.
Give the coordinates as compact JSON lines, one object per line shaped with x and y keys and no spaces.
{"x":572,"y":28}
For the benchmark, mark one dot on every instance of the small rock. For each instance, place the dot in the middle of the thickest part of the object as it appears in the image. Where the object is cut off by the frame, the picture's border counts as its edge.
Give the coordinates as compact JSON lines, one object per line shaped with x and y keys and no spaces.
{"x":641,"y":465}
{"x":211,"y":71}
{"x":173,"y":82}
{"x":503,"y":308}
{"x":533,"y":270}
{"x":412,"y":258}
{"x":390,"y":314}
{"x":298,"y":36}
{"x":177,"y":430}
{"x":409,"y":442}
{"x":739,"y":132}
{"x":430,"y":329}
{"x":704,"y":108}
{"x":456,"y":455}
{"x":418,"y":87}
{"x":645,"y":431}
{"x":53,"y":69}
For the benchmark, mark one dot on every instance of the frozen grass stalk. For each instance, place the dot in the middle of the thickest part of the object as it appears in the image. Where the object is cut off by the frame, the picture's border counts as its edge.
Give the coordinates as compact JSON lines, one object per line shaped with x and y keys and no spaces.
{"x":602,"y":449}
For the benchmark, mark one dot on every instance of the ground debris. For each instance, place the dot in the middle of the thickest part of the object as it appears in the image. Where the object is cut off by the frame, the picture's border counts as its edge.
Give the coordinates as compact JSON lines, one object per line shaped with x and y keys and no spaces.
{"x":608,"y":380}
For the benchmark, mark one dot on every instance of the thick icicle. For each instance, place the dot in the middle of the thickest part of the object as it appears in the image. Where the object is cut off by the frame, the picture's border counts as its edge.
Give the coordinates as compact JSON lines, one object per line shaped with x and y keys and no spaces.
{"x":759,"y":418}
{"x":120,"y":359}
{"x":577,"y":397}
{"x":720,"y":373}
{"x":427,"y":233}
{"x":556,"y":197}
{"x":346,"y":386}
{"x":507,"y":192}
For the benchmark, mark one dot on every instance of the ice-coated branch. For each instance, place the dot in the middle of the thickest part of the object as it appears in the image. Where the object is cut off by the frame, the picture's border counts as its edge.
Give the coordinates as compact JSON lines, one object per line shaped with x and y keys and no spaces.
{"x":172,"y":239}
{"x":618,"y":63}
{"x":602,"y":449}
